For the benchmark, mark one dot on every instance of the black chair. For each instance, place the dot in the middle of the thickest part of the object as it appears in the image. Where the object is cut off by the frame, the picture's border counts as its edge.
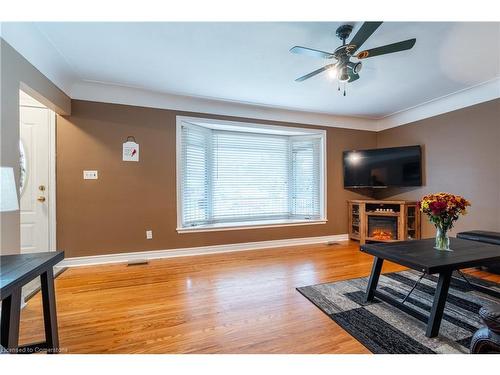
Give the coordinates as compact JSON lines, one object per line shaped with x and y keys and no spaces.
{"x":487,"y":339}
{"x":486,"y":237}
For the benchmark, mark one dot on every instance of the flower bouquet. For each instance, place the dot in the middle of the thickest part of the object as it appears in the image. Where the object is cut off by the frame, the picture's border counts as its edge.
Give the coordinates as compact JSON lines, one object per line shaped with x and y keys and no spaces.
{"x":443,"y":209}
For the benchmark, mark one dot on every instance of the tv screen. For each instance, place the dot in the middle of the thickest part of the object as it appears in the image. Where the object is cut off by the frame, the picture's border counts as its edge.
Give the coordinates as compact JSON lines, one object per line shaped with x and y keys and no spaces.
{"x":383,"y":167}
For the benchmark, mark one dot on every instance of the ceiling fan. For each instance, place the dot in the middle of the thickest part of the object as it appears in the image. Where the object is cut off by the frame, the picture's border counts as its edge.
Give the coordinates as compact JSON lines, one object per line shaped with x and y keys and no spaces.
{"x":343,"y":68}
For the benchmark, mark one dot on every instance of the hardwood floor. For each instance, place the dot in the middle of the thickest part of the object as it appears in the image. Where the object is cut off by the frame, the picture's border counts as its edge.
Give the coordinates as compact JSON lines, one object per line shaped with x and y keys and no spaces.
{"x":243,"y":302}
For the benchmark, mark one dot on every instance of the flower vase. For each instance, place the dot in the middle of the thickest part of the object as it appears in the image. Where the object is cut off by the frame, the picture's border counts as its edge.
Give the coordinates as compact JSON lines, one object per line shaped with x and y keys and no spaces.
{"x":442,"y":239}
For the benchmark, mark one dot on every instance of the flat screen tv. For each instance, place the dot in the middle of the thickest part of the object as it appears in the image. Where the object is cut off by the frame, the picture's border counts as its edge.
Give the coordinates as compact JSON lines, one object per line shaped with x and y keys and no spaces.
{"x":383,"y":167}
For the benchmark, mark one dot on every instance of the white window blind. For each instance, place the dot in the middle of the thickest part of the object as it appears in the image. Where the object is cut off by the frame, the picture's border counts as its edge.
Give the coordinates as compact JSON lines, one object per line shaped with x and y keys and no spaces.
{"x":232,"y":177}
{"x":249,"y":176}
{"x":306,"y":192}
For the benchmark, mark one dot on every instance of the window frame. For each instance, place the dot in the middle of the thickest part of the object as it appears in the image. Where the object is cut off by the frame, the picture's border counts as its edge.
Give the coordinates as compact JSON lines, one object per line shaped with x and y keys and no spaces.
{"x":259,"y":128}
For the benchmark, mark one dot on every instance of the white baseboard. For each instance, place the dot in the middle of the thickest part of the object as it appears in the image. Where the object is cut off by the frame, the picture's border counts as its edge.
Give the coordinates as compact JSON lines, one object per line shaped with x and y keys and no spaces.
{"x":190,"y":251}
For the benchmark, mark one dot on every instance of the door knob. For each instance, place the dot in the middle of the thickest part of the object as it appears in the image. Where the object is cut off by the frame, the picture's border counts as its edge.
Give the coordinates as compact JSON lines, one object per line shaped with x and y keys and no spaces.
{"x":41,"y":199}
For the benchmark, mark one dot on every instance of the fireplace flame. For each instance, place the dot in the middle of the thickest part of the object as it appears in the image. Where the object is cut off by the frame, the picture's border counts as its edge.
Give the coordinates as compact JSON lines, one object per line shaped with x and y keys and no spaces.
{"x":381,"y":234}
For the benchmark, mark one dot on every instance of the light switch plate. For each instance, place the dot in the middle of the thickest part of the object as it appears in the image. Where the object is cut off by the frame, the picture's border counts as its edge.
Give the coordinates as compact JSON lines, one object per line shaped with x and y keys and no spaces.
{"x":90,"y":175}
{"x":149,"y":234}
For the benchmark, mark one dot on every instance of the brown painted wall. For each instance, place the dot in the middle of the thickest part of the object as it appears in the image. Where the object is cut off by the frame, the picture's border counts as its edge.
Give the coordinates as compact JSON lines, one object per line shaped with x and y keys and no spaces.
{"x":111,"y":214}
{"x":462,"y":156}
{"x":17,"y":73}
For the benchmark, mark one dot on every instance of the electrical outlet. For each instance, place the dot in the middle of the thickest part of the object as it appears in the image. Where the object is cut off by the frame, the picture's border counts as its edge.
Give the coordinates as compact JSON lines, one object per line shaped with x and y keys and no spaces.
{"x":90,"y":175}
{"x":149,"y":234}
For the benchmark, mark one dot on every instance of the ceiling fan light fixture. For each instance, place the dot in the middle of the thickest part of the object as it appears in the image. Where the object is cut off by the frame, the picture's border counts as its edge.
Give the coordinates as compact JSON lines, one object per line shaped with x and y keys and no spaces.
{"x":342,"y":68}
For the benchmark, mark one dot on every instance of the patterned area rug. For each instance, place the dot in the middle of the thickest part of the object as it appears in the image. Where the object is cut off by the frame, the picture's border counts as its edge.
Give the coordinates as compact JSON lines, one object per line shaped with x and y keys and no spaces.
{"x":383,"y":328}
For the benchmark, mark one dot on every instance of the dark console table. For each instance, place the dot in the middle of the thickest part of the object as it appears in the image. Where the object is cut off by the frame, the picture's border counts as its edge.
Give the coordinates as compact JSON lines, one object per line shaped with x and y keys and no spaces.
{"x":15,"y":272}
{"x":420,"y":255}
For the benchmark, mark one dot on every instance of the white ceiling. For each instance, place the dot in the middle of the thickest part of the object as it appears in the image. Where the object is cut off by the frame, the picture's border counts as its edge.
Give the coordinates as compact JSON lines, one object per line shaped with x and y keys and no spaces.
{"x":250,"y":62}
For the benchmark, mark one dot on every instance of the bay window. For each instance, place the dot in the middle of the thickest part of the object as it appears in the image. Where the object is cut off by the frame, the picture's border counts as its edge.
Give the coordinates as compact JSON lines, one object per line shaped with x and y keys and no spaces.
{"x":234,"y":175}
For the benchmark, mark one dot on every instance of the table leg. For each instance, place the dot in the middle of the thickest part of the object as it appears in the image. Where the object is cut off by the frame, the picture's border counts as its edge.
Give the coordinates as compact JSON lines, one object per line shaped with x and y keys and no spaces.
{"x":49,"y":311}
{"x":11,"y":313}
{"x":437,"y":309}
{"x":373,"y":281}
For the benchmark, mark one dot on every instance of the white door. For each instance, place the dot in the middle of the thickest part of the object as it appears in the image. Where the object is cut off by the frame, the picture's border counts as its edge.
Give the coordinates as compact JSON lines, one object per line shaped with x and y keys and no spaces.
{"x":34,"y":203}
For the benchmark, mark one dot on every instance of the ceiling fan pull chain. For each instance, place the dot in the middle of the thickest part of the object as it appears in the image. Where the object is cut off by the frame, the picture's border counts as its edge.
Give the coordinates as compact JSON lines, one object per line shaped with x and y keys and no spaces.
{"x":344,"y":88}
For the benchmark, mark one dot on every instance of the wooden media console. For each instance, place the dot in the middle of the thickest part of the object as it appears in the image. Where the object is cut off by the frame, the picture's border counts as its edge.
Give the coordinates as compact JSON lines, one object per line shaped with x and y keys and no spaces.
{"x":383,"y":221}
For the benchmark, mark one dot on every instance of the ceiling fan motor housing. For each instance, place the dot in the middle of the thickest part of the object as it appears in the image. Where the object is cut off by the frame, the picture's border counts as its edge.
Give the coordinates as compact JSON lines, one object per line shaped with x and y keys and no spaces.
{"x":343,"y":32}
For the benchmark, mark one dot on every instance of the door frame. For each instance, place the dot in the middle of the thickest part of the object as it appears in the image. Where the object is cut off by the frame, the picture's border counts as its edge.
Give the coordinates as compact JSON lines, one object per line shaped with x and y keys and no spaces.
{"x":52,"y":219}
{"x":52,"y":181}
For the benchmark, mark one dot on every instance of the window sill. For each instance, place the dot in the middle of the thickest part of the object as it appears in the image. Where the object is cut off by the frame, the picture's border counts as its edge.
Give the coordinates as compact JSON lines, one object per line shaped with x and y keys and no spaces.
{"x":249,"y":225}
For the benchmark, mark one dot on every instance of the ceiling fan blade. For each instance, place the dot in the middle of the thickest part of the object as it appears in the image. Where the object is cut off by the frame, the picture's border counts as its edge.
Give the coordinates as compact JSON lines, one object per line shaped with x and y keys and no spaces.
{"x":390,"y":48}
{"x":352,"y":76}
{"x":366,"y":30}
{"x":311,"y":52}
{"x":317,"y":71}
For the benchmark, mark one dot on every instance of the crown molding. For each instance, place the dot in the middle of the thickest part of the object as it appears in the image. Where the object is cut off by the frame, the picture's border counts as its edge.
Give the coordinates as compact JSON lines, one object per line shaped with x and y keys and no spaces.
{"x":480,"y":93}
{"x":119,"y":94}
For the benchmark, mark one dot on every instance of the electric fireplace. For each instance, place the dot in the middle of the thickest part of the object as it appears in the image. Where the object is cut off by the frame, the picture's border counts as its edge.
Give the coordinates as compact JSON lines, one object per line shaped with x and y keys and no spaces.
{"x":383,"y":221}
{"x":383,"y":228}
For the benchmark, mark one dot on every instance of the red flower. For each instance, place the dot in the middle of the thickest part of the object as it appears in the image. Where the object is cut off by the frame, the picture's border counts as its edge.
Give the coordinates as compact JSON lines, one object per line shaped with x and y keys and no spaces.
{"x":437,"y":207}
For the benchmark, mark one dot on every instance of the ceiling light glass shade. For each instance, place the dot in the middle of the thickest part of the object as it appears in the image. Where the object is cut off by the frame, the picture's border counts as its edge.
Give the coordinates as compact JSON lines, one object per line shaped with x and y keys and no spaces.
{"x":332,"y":73}
{"x":355,"y":67}
{"x":8,"y":190}
{"x":344,"y":77}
